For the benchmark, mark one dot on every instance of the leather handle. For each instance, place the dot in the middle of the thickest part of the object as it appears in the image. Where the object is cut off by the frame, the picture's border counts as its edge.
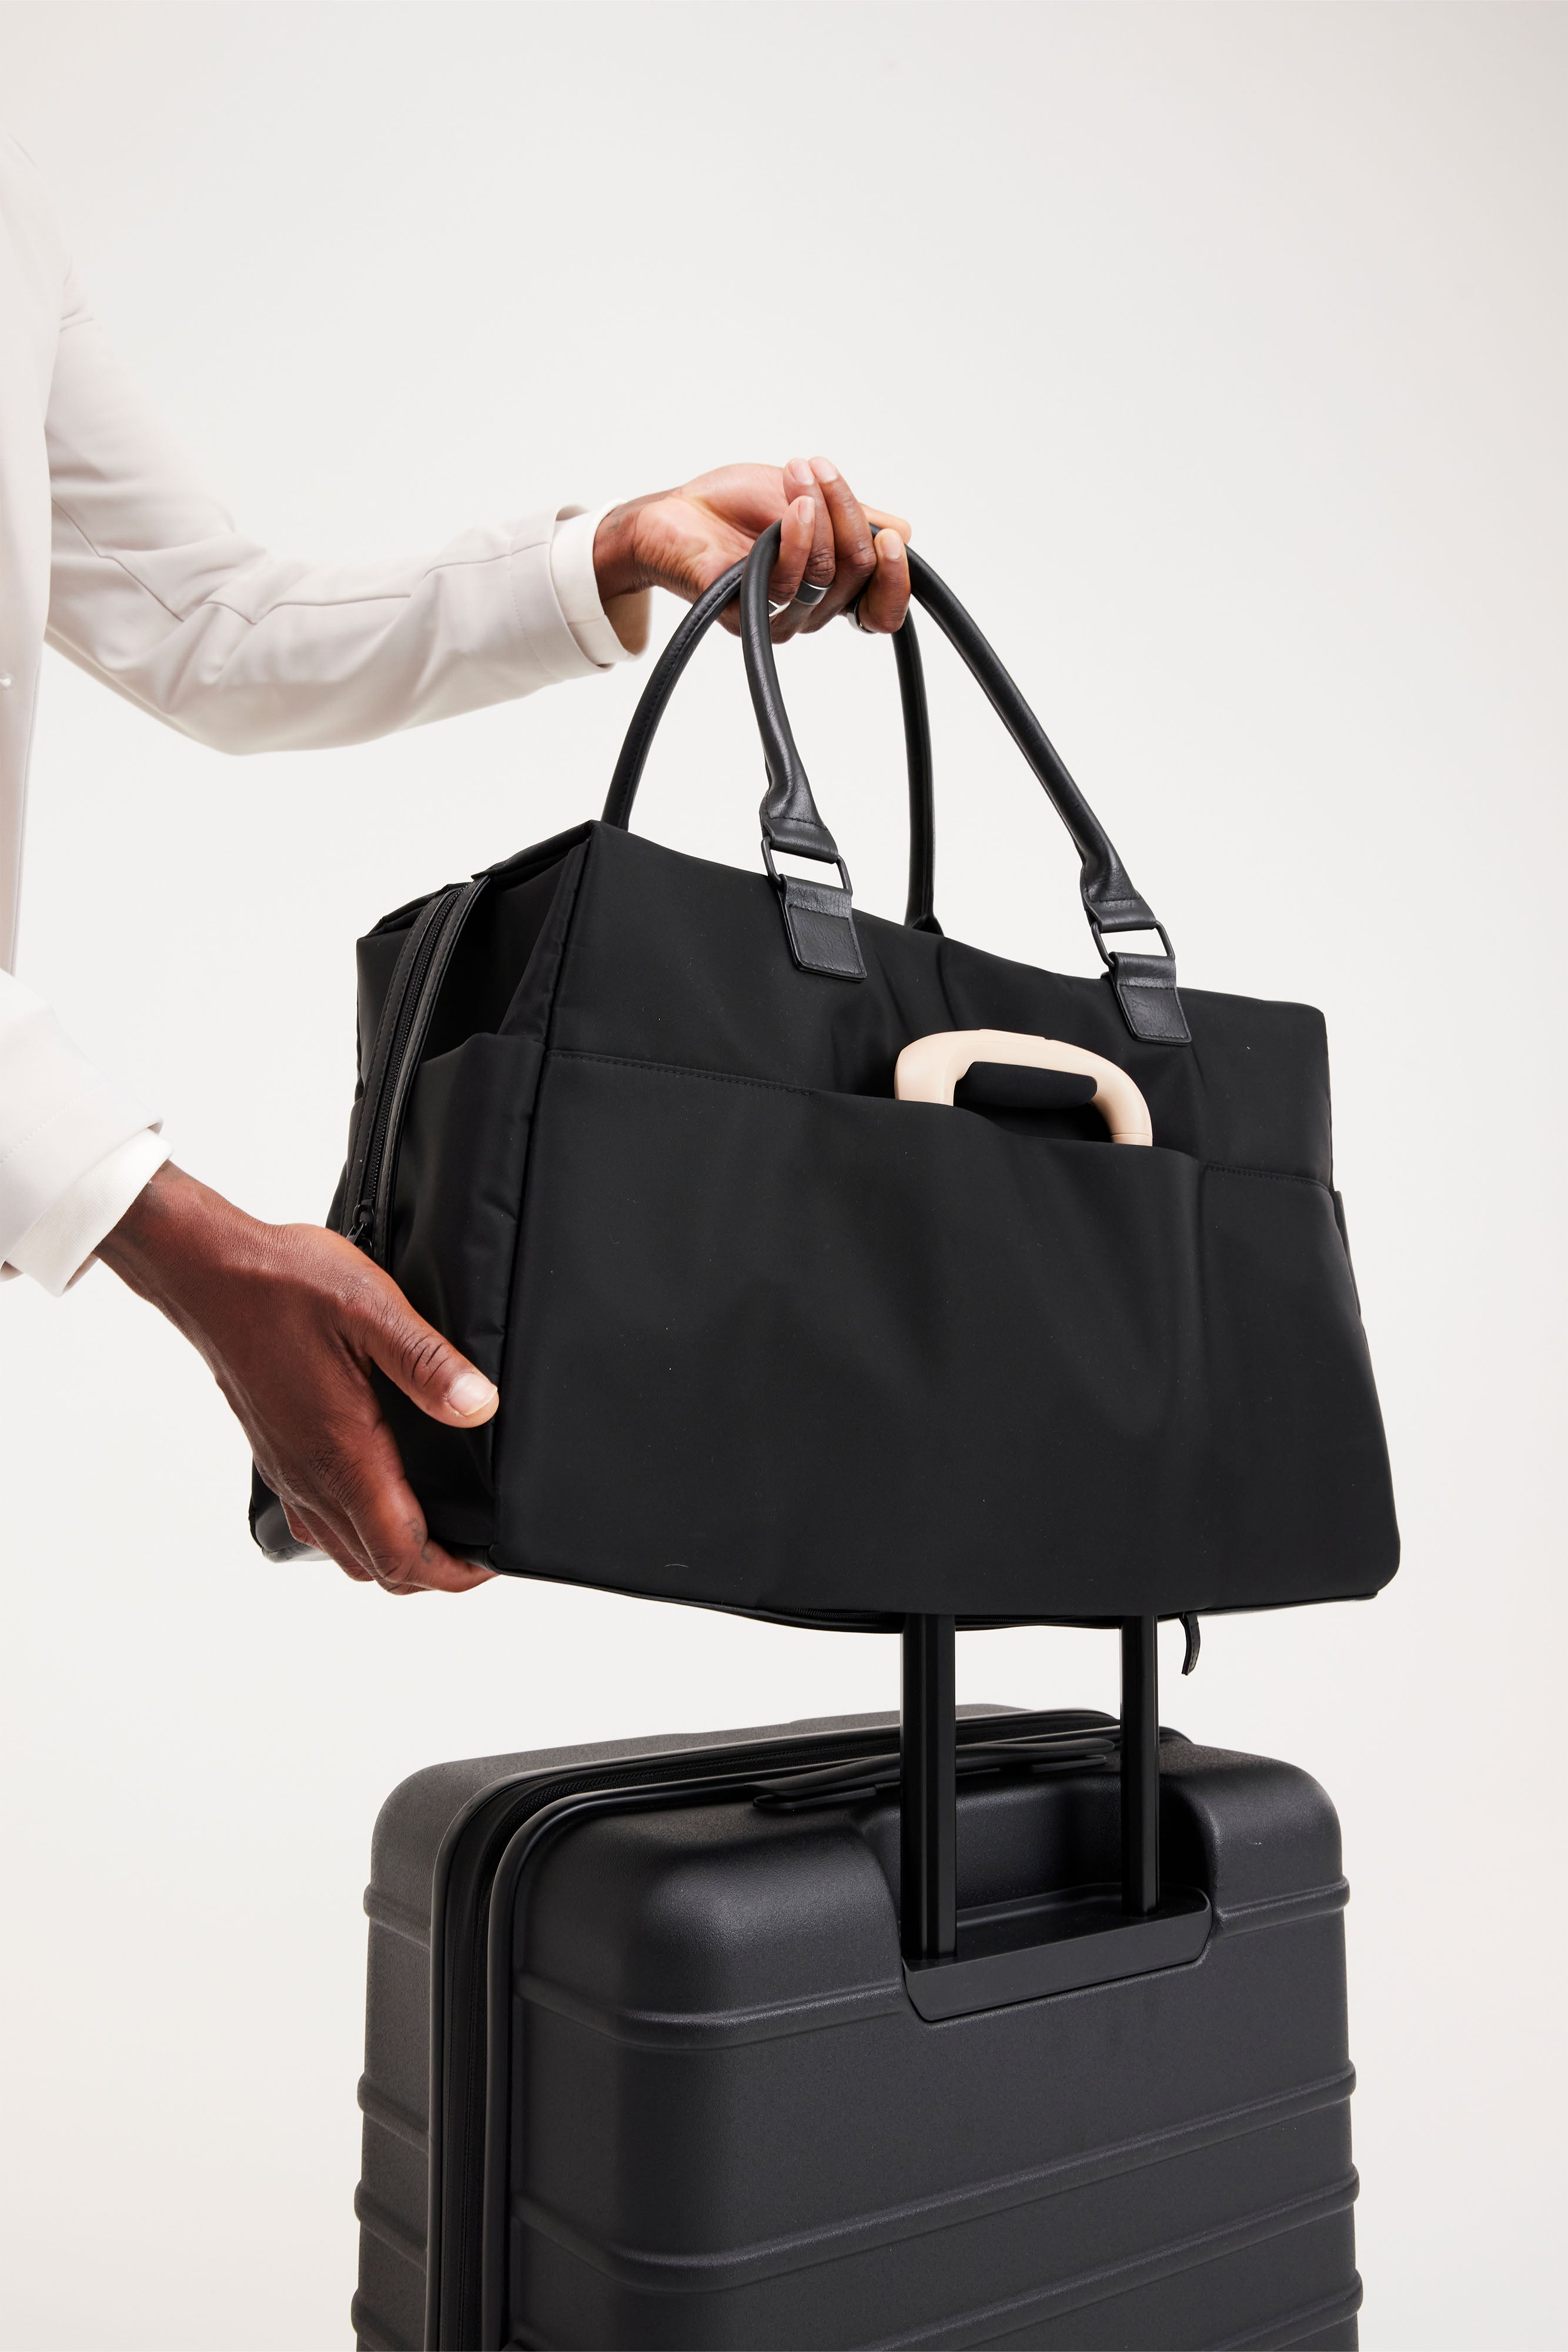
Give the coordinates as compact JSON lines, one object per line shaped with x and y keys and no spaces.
{"x":1109,"y":897}
{"x":656,"y":694}
{"x":1144,"y":984}
{"x":661,"y":682}
{"x":919,"y":913}
{"x":789,"y":812}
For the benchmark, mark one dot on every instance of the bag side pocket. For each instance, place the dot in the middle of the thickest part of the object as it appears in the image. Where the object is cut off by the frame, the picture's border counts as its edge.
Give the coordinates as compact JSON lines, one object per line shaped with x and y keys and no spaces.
{"x":454,"y":1235}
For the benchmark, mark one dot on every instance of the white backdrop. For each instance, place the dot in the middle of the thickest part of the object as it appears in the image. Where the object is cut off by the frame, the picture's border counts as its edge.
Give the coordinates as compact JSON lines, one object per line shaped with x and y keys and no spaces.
{"x":1219,"y":355}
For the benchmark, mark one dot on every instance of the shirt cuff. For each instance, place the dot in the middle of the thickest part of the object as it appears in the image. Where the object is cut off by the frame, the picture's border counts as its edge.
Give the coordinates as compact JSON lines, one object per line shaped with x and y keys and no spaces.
{"x":59,"y":1118}
{"x":59,"y":1247}
{"x":576,"y":585}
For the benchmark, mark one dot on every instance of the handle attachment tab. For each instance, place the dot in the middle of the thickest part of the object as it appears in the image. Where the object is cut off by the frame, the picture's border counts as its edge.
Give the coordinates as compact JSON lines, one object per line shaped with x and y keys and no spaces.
{"x":819,"y":920}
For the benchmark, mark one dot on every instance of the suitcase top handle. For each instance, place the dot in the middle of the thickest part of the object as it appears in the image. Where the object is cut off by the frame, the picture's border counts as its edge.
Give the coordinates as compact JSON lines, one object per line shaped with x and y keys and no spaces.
{"x":1146,"y":985}
{"x":928,"y":1071}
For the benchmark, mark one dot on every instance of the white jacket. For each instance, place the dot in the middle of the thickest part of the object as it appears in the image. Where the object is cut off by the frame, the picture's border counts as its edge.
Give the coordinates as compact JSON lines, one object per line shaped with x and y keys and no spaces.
{"x":110,"y":550}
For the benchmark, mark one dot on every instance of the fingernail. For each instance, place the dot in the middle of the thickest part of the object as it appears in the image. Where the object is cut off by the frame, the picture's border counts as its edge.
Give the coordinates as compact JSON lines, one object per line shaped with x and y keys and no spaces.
{"x":824,"y":469}
{"x":798,"y":471}
{"x":806,"y":511}
{"x":470,"y":1393}
{"x":889,"y":547}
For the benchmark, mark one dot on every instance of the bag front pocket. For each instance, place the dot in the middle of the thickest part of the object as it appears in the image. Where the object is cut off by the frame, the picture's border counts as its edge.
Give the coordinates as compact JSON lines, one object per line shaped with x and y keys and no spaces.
{"x":804,"y":1351}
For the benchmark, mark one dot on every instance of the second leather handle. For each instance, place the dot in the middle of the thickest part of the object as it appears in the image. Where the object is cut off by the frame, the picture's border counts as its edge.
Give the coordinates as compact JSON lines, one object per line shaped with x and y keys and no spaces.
{"x":1110,"y":899}
{"x":665,"y":675}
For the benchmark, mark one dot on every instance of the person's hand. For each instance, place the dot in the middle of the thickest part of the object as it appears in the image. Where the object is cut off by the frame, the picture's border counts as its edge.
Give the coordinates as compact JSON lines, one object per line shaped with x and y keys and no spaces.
{"x":684,"y":540}
{"x":290,"y":1318}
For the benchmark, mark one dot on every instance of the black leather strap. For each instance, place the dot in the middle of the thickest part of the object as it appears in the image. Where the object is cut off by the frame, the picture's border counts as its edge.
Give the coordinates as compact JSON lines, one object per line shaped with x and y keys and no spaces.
{"x":693,"y":627}
{"x":918,"y":912}
{"x":1109,"y":897}
{"x":819,"y":921}
{"x":789,"y":812}
{"x":1146,"y":985}
{"x":661,"y":685}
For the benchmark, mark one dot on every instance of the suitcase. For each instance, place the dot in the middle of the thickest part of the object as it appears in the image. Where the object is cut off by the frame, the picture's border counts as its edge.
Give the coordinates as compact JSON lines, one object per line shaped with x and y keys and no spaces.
{"x":1001,"y":2029}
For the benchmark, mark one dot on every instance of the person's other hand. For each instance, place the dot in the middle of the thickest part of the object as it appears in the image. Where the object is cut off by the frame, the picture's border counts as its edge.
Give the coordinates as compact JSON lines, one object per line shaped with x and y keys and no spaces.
{"x":684,"y":540}
{"x":290,"y":1318}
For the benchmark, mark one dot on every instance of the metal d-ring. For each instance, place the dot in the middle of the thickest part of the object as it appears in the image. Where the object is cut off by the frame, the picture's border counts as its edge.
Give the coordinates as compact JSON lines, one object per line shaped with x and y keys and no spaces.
{"x":779,"y":879}
{"x":1107,"y":955}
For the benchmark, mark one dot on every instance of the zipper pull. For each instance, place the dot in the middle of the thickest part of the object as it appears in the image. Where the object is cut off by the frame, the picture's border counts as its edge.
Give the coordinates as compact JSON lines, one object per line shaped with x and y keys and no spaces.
{"x":359,"y":1231}
{"x":1190,"y":1626}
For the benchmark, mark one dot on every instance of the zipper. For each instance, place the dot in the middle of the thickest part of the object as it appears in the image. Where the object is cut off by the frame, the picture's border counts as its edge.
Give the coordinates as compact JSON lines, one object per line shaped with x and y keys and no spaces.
{"x":461,"y":2262}
{"x":746,"y":1770}
{"x":404,"y":1025}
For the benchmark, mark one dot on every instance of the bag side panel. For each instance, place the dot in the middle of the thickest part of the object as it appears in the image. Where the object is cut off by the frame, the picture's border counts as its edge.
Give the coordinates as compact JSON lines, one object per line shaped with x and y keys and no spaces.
{"x":460,"y":1173}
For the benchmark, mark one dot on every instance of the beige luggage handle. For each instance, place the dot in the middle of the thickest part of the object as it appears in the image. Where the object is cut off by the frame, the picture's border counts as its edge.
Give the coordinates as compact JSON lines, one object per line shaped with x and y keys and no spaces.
{"x":929,"y":1069}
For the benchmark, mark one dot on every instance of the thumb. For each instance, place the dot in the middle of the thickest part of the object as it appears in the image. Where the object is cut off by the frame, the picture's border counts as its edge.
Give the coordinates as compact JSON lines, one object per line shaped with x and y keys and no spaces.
{"x":424,"y":1366}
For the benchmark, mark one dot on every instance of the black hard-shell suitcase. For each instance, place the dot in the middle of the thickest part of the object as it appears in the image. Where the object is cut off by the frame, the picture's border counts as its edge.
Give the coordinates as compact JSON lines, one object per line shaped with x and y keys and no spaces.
{"x":655,"y":2057}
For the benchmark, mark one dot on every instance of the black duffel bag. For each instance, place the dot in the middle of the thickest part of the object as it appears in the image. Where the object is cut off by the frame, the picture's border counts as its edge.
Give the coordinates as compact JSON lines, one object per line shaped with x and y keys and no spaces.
{"x":771,"y":1339}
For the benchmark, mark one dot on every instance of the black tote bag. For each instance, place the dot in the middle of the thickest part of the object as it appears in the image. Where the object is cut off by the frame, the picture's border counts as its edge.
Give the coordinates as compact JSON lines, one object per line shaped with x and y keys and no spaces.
{"x":769,"y":1338}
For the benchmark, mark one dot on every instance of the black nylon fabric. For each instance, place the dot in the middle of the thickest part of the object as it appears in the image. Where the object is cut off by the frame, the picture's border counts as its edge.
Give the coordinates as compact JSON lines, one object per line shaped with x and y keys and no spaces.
{"x":768,"y":1339}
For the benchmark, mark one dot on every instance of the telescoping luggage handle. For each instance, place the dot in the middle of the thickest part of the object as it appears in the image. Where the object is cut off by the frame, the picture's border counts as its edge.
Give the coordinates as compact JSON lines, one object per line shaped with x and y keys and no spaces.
{"x":818,"y":917}
{"x":1092,"y":1937}
{"x":931,"y":1069}
{"x":1088,"y":1935}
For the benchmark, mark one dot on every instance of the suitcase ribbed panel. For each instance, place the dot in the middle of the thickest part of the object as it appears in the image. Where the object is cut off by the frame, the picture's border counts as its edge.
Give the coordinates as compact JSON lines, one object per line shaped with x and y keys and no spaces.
{"x":417,"y":1819}
{"x":732,"y":2129}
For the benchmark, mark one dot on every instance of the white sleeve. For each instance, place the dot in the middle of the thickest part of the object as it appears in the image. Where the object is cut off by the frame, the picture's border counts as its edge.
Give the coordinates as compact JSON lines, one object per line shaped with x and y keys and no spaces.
{"x":577,"y":587}
{"x":60,"y":1246}
{"x":59,"y":1118}
{"x":153,"y":591}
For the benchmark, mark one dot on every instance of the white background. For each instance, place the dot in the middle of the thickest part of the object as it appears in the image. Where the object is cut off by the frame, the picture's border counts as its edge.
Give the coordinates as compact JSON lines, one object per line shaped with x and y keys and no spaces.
{"x":1217,"y":353}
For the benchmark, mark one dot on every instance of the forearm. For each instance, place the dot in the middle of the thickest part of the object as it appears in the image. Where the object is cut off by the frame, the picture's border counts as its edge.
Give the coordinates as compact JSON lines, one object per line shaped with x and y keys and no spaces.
{"x":182,"y":1247}
{"x":155,"y":592}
